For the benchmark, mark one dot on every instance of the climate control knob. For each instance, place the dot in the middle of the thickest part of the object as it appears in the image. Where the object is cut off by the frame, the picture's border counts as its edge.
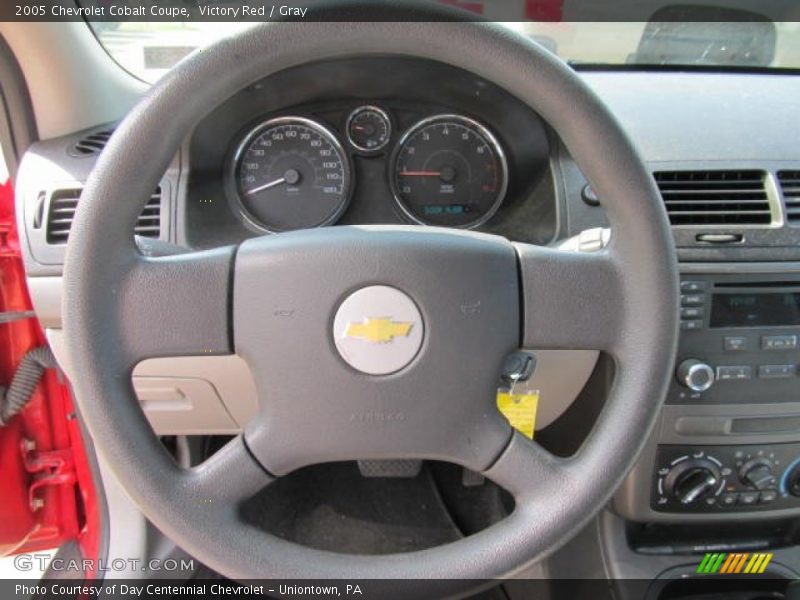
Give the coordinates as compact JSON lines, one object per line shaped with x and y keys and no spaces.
{"x":793,"y":481}
{"x":695,"y":375}
{"x":757,"y":473}
{"x":692,"y":480}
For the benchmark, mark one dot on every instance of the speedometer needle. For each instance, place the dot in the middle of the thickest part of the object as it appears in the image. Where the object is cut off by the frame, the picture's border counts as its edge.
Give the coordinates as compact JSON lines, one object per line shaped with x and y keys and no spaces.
{"x":266,"y":186}
{"x":421,"y":173}
{"x":291,"y":177}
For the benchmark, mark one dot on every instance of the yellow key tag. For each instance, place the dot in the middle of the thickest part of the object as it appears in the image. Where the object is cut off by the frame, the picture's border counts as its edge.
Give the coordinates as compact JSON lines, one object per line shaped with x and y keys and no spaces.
{"x":519,"y":409}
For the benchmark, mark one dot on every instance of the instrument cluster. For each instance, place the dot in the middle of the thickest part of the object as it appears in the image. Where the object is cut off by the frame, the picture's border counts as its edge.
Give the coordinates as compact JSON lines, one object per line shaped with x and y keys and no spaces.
{"x":296,"y":171}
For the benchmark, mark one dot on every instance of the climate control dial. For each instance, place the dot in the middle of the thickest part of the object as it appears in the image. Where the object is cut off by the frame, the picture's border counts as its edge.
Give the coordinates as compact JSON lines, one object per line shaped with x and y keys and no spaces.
{"x":757,"y":473}
{"x":691,"y":480}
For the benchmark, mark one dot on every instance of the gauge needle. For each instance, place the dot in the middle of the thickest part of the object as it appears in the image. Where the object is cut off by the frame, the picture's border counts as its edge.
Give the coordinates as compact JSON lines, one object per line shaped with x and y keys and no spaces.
{"x":421,"y":173}
{"x":291,"y":177}
{"x":266,"y":186}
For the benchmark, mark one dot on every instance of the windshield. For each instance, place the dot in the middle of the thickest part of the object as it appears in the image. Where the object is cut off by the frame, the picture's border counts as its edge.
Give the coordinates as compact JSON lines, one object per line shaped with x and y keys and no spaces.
{"x":149,"y":49}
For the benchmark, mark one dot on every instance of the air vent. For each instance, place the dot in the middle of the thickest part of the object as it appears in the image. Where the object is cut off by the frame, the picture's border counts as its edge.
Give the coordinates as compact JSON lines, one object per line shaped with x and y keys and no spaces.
{"x":62,"y":211}
{"x":790,"y":185}
{"x":715,"y":197}
{"x":93,"y":143}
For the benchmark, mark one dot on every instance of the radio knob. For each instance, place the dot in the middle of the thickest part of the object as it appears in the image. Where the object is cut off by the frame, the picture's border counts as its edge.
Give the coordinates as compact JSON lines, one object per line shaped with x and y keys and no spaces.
{"x":695,"y":375}
{"x":692,"y":480}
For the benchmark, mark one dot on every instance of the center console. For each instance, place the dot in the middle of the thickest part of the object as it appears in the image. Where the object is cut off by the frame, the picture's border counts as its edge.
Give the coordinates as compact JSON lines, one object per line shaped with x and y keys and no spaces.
{"x":728,"y":441}
{"x":739,"y":339}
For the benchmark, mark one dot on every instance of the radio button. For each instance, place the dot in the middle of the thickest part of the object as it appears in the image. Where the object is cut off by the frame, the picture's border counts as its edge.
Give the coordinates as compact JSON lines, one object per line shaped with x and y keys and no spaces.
{"x":692,"y":299}
{"x":734,"y":372}
{"x":735,"y":343}
{"x":692,"y":312}
{"x":779,"y":342}
{"x":693,"y":286}
{"x":691,"y":324}
{"x":776,"y":371}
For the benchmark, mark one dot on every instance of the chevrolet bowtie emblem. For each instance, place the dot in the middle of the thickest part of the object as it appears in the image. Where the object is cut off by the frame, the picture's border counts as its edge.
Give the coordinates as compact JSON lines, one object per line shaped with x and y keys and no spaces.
{"x":381,"y":330}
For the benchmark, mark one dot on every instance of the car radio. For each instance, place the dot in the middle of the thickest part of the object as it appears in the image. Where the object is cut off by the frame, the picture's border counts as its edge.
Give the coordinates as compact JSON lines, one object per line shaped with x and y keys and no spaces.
{"x":740,"y":339}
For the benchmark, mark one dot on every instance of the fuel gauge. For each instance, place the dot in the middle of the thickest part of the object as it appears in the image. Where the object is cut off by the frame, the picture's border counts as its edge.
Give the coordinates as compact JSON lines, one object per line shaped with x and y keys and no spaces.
{"x":368,"y":129}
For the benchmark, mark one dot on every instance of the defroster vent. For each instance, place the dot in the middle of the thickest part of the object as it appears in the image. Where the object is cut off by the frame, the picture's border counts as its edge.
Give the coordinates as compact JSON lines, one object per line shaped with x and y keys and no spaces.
{"x":92,"y":144}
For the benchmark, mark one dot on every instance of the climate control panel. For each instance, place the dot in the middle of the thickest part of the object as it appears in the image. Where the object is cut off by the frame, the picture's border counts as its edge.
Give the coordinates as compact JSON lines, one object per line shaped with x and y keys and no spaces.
{"x":695,"y":479}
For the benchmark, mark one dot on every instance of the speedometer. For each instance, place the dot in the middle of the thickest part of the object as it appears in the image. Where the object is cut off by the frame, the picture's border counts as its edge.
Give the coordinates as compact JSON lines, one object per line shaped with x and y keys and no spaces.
{"x":291,"y":173}
{"x":449,"y":170}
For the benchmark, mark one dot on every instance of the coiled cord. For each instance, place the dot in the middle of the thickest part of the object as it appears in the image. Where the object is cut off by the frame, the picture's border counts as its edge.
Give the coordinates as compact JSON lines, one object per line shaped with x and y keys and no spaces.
{"x":23,"y":384}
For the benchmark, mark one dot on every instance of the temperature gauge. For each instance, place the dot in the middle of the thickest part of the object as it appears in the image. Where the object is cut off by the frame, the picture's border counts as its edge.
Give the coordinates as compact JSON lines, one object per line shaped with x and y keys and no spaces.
{"x":368,"y":129}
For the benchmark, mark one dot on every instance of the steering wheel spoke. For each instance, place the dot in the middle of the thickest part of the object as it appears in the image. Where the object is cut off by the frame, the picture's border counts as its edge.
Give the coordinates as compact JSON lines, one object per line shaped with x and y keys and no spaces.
{"x":526,"y":468}
{"x":175,"y":305}
{"x":583,"y":289}
{"x":228,"y":476}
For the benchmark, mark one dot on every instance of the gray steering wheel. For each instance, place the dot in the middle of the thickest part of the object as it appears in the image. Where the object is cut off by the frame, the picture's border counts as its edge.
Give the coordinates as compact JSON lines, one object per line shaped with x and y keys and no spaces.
{"x":272,"y":300}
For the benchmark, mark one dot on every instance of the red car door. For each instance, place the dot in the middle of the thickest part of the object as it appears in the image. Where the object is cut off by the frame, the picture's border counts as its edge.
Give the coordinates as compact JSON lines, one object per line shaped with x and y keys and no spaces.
{"x":48,"y":497}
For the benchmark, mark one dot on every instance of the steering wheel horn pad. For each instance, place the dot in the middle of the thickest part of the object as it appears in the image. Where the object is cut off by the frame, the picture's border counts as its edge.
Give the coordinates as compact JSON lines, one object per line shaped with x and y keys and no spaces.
{"x":273,"y":301}
{"x":288,"y":287}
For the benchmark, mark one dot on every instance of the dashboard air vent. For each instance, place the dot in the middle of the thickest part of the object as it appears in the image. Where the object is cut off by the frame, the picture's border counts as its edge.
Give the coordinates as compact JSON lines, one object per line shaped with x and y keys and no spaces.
{"x":715,"y":197}
{"x":62,"y":211}
{"x":790,"y":186}
{"x":93,"y":143}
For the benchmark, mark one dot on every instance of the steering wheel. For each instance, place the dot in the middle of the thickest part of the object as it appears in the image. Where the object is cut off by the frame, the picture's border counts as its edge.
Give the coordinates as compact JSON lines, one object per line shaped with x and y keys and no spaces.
{"x":469,"y":299}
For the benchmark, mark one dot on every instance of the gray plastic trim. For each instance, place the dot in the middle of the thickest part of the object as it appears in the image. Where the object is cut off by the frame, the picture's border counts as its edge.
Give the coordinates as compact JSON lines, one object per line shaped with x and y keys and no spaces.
{"x":50,"y":54}
{"x":219,"y":399}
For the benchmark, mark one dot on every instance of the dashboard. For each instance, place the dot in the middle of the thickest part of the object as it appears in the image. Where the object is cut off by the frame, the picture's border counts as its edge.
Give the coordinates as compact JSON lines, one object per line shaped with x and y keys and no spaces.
{"x":722,"y":468}
{"x":387,"y":140}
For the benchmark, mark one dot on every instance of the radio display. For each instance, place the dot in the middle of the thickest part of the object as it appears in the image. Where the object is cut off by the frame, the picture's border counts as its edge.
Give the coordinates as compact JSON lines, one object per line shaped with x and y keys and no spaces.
{"x":755,"y":310}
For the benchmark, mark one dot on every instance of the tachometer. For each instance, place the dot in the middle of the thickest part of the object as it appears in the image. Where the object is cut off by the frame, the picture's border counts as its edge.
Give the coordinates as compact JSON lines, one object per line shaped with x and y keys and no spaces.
{"x":449,"y":170}
{"x":291,"y":173}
